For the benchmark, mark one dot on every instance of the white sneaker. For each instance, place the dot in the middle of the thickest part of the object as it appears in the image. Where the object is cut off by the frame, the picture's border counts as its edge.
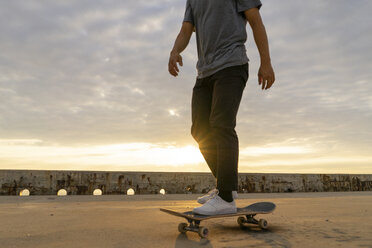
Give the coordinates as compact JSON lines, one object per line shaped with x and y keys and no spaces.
{"x":203,"y":199}
{"x":216,"y":206}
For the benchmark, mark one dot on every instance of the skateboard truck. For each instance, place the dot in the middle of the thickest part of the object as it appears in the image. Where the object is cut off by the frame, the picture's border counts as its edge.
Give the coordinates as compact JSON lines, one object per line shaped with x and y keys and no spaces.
{"x":193,"y":226}
{"x":251,"y":220}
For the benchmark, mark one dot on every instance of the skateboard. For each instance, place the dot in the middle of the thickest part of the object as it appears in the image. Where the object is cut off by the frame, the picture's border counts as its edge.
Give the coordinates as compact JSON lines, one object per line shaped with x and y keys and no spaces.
{"x":246,"y":215}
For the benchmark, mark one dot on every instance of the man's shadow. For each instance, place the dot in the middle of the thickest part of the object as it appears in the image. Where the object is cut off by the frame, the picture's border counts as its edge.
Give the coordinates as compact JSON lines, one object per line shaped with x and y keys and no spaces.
{"x":183,"y":241}
{"x":271,"y":237}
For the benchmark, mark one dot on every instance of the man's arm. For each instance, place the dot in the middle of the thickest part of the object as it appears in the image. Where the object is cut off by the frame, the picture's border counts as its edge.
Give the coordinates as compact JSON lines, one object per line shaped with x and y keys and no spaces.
{"x":180,"y":44}
{"x":266,"y":75}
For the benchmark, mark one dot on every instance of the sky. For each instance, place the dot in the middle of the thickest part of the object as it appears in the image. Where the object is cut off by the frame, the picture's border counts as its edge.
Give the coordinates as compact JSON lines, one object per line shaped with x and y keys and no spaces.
{"x":84,"y":85}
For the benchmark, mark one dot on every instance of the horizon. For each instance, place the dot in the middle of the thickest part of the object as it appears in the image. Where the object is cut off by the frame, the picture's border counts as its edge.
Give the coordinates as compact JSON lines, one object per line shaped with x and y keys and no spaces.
{"x":194,"y":172}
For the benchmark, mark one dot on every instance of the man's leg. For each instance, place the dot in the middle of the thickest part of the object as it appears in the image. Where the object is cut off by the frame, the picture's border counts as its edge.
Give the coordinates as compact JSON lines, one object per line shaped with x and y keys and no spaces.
{"x":228,"y":86}
{"x":200,"y":129}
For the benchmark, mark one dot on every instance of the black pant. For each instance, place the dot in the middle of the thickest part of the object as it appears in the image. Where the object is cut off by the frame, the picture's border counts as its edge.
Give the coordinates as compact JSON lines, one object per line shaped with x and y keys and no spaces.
{"x":215,"y":104}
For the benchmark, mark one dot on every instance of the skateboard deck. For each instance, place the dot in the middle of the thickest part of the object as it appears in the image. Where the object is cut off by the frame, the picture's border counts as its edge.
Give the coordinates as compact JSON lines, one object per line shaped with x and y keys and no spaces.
{"x":249,"y":212}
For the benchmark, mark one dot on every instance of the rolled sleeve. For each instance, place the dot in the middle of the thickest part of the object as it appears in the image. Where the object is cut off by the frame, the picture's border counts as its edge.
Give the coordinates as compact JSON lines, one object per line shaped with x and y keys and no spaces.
{"x":188,"y":13}
{"x":244,"y":5}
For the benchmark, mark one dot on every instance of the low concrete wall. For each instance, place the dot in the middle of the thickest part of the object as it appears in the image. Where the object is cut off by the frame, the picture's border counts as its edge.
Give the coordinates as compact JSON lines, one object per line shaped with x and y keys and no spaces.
{"x":85,"y":182}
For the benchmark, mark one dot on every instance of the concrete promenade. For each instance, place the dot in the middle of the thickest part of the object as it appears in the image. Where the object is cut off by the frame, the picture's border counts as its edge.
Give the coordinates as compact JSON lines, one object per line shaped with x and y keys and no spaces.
{"x":328,"y":219}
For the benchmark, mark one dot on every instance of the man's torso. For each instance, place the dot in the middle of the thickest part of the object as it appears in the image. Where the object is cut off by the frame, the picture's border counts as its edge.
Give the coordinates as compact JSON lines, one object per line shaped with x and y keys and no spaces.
{"x":220,"y":34}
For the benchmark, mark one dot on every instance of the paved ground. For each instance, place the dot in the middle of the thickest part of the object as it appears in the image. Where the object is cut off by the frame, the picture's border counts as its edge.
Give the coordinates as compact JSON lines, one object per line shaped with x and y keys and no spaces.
{"x":300,"y":220}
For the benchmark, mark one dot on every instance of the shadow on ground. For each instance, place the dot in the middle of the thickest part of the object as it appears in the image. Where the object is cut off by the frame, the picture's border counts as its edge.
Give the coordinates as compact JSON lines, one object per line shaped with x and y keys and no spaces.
{"x":233,"y":236}
{"x":183,"y":241}
{"x":250,"y":236}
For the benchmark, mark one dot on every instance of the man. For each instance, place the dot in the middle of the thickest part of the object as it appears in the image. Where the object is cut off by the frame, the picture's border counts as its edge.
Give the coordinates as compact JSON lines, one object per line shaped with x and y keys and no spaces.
{"x":220,"y":27}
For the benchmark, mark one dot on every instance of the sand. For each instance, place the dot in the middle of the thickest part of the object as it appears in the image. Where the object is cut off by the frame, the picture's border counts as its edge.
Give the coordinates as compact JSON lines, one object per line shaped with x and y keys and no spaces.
{"x":342,"y":219}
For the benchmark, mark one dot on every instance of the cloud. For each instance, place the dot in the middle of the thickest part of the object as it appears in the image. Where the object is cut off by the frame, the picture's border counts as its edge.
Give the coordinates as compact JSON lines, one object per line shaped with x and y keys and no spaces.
{"x":95,"y":73}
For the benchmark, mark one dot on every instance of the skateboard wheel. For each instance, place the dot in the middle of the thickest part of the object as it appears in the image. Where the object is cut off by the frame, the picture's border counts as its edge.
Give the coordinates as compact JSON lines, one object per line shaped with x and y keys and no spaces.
{"x":241,"y":220}
{"x":203,"y":232}
{"x":263,"y":223}
{"x":182,"y":227}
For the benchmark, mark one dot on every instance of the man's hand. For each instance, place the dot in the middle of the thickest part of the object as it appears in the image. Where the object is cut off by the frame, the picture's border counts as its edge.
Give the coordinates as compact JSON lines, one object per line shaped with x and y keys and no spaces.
{"x":266,"y":76}
{"x":180,"y":44}
{"x":174,"y":58}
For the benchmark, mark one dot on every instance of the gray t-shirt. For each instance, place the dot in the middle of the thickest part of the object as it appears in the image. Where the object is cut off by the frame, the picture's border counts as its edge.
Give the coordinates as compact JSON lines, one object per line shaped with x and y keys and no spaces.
{"x":220,"y":32}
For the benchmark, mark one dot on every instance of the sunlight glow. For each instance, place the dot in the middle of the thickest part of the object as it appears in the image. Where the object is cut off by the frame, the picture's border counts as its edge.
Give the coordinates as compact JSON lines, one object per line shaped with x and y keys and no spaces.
{"x":288,"y":156}
{"x":173,"y":112}
{"x":260,"y":151}
{"x":130,"y":154}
